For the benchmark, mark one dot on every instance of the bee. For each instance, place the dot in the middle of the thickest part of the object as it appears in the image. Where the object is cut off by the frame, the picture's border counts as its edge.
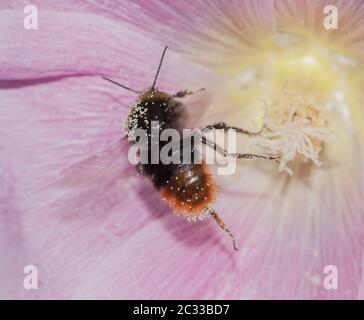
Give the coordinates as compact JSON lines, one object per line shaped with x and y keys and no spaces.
{"x":188,"y":188}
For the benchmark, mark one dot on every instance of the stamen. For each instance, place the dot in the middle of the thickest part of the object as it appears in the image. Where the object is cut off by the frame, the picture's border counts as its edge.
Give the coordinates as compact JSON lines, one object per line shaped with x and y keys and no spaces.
{"x":295,"y":129}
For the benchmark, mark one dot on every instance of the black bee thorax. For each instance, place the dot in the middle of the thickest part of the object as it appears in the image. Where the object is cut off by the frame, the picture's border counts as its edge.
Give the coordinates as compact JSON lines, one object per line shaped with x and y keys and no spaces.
{"x":151,"y":109}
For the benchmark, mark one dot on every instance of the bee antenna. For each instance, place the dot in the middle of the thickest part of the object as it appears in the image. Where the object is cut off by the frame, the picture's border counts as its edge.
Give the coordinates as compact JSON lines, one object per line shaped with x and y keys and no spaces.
{"x":159,"y":67}
{"x":223,"y":226}
{"x":120,"y":85}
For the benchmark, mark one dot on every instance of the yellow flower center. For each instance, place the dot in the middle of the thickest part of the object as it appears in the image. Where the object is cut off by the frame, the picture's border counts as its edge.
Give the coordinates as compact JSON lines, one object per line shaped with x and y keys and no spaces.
{"x":303,"y":94}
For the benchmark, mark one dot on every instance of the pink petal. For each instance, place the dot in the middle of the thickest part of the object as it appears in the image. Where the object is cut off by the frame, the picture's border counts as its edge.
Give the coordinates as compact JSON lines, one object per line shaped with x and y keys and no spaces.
{"x":13,"y":246}
{"x":231,"y":30}
{"x":82,"y":44}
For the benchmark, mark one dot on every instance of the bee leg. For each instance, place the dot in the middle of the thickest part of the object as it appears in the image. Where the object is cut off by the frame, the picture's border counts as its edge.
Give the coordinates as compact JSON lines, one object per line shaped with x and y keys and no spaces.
{"x":222,"y":151}
{"x":224,"y":126}
{"x":181,"y":94}
{"x":223,"y":226}
{"x":254,"y":156}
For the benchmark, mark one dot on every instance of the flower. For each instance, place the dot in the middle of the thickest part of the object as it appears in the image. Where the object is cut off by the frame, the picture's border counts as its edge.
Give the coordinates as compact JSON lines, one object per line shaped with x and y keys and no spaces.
{"x":267,"y":65}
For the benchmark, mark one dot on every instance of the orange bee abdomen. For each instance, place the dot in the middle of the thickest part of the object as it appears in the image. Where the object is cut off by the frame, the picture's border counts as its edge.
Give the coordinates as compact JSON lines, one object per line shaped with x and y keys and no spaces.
{"x":190,"y":191}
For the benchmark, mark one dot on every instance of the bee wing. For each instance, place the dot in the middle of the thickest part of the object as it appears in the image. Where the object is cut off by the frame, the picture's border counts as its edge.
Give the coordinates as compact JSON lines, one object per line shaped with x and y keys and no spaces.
{"x":85,"y":186}
{"x":112,"y":163}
